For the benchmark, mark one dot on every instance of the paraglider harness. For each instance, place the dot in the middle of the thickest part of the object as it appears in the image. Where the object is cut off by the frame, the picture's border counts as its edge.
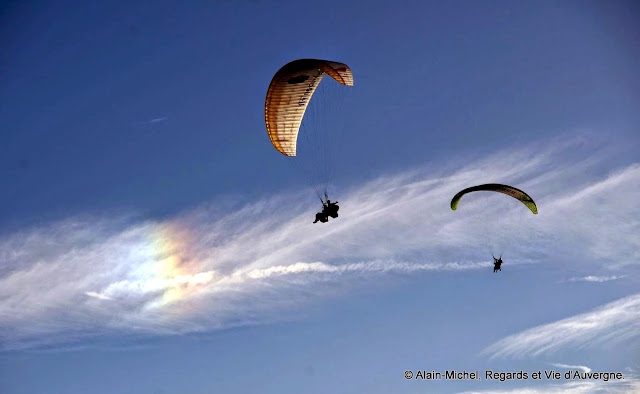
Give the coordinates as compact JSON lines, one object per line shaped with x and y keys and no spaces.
{"x":497,"y":263}
{"x":329,"y":209}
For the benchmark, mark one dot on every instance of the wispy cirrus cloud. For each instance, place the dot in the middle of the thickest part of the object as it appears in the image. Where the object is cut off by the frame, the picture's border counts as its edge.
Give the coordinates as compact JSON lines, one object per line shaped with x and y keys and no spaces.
{"x":630,"y":384}
{"x":154,"y":120}
{"x":97,"y":295}
{"x":595,"y":278}
{"x":627,"y":386}
{"x":207,"y":269}
{"x":583,"y":368}
{"x":614,"y":322}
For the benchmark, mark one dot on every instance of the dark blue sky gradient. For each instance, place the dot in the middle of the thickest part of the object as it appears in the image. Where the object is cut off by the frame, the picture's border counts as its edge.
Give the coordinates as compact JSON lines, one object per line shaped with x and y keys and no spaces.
{"x":431,"y":81}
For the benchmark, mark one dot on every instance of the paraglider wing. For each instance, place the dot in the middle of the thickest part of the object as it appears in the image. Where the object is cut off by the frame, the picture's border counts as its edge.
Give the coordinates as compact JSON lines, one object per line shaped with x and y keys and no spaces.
{"x":289,"y":94}
{"x":496,"y":187}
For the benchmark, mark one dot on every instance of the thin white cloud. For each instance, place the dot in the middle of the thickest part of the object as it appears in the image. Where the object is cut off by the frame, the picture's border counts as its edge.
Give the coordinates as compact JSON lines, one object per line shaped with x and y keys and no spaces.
{"x":567,"y":366}
{"x":614,"y":322}
{"x":594,"y":278}
{"x":97,"y":295}
{"x":154,"y":120}
{"x":630,"y":384}
{"x":627,"y":386}
{"x":208,"y":269}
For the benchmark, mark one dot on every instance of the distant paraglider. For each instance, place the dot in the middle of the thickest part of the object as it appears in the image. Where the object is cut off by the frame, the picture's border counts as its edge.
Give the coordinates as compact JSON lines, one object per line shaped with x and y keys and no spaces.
{"x":497,"y":264}
{"x":504,"y":189}
{"x":496,"y":187}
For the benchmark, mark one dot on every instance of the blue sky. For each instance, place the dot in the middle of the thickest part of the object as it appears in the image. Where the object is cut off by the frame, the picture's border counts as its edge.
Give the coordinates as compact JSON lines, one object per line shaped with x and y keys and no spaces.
{"x":153,"y":241}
